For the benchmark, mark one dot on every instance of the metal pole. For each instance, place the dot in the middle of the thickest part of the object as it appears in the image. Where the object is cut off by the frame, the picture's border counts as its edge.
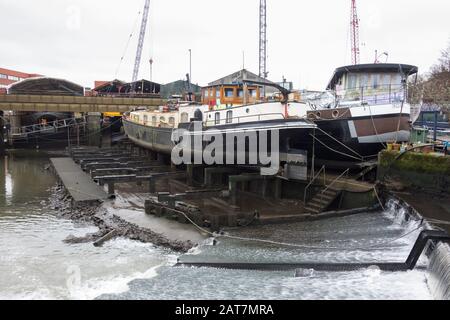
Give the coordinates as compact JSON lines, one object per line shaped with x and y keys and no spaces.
{"x":78,"y":135}
{"x":151,"y":69}
{"x":313,"y":155}
{"x":190,"y":64}
{"x":435,"y":126}
{"x":68,"y":137}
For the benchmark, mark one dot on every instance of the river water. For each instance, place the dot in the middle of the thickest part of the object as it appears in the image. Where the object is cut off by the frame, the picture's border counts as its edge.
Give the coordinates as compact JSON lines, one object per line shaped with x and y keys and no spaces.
{"x":35,"y":263}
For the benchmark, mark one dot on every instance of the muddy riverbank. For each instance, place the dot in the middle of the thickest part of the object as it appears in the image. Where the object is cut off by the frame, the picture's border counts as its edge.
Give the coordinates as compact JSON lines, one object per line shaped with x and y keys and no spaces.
{"x":106,"y":222}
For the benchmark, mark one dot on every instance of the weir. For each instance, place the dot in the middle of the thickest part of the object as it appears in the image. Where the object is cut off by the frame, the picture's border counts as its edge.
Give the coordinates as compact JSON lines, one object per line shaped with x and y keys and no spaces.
{"x":439,"y":272}
{"x":409,"y":264}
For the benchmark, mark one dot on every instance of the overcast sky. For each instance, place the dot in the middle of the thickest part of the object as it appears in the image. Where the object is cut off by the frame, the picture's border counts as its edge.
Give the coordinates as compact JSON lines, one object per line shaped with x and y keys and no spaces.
{"x":83,"y":40}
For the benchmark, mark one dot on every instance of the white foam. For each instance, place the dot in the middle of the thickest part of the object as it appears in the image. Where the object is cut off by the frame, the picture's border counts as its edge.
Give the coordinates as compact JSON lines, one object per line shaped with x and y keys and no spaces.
{"x":94,"y":288}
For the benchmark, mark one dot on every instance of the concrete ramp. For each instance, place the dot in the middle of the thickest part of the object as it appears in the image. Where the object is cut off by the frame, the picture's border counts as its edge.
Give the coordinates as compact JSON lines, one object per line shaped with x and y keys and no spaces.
{"x":78,"y":183}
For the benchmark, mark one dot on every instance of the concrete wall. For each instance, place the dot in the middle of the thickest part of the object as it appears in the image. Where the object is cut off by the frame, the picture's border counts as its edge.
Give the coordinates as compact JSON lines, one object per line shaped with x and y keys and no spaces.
{"x":350,"y":200}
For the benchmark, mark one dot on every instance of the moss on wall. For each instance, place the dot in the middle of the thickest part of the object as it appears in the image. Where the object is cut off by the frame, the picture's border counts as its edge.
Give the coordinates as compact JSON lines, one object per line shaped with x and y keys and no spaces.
{"x":417,"y":162}
{"x":425,"y":171}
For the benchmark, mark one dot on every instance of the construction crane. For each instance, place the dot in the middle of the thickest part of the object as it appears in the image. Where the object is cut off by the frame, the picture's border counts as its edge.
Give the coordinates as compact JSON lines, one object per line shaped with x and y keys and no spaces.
{"x":263,"y":39}
{"x":354,"y":31}
{"x":140,"y":46}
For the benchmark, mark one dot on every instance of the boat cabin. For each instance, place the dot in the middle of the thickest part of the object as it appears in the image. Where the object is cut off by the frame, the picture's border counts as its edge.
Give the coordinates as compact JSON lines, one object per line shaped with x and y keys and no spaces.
{"x":371,"y":83}
{"x":158,"y":119}
{"x":222,"y":105}
{"x":226,"y":96}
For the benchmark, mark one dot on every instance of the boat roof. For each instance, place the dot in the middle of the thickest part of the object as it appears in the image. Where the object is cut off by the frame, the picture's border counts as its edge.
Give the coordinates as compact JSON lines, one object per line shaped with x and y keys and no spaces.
{"x":241,"y":84}
{"x":372,"y":67}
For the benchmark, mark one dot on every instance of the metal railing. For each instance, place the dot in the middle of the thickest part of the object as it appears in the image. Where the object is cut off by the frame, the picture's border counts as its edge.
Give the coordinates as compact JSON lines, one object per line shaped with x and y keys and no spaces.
{"x":49,"y":127}
{"x":232,"y":119}
{"x":323,"y":169}
{"x":345,"y":173}
{"x":373,"y":95}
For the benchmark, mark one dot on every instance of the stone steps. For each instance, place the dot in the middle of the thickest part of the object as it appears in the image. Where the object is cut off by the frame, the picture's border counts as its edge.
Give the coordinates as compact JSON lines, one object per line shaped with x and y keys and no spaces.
{"x":321,"y":201}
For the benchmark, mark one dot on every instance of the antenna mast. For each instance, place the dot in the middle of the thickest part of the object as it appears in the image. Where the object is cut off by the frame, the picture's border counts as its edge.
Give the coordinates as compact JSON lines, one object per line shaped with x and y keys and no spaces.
{"x":354,"y":30}
{"x":140,"y":46}
{"x":263,"y":39}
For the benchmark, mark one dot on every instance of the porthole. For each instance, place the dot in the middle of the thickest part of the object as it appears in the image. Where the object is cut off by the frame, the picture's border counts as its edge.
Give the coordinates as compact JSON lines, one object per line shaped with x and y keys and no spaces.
{"x":335,"y":114}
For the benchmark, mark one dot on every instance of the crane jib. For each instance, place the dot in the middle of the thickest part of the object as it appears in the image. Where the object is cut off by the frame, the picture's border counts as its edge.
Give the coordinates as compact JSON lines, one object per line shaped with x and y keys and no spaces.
{"x":140,"y":46}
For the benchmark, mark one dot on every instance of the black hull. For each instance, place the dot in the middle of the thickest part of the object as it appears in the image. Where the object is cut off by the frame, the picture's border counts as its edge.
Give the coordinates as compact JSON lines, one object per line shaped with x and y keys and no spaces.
{"x":334,"y":140}
{"x":350,"y":140}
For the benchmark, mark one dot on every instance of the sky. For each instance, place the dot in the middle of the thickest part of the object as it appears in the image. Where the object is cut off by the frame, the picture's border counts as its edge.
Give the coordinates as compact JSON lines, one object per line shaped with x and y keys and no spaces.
{"x":84,"y":40}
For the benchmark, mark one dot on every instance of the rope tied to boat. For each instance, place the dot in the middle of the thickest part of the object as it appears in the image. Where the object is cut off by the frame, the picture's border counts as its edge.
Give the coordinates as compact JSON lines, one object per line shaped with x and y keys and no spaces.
{"x":377,"y":246}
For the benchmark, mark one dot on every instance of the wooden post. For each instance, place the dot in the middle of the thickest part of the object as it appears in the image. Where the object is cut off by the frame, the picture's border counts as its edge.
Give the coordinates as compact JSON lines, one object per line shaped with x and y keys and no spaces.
{"x":265,"y":186}
{"x":233,"y":192}
{"x":190,"y":174}
{"x":278,"y":188}
{"x":208,"y":177}
{"x":111,"y":189}
{"x":94,"y":129}
{"x":2,"y":137}
{"x":152,"y":185}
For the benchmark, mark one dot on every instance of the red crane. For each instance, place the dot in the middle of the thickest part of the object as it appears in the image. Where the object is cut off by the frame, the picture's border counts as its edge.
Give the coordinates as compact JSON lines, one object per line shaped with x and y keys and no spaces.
{"x":354,"y":31}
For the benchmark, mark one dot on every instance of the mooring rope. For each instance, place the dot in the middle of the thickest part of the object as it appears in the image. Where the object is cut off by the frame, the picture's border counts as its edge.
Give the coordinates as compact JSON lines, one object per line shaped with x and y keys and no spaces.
{"x":377,"y":246}
{"x":375,"y":127}
{"x":218,"y":235}
{"x":378,"y":197}
{"x":333,"y":150}
{"x":436,"y":221}
{"x":341,"y":143}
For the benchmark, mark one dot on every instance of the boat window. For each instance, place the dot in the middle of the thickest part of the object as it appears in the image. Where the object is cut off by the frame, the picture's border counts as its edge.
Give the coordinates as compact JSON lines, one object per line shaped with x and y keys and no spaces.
{"x":229,"y":92}
{"x":381,"y":80}
{"x":396,"y":79}
{"x":184,"y":117}
{"x":351,"y":82}
{"x":375,"y":81}
{"x":172,"y":121}
{"x":364,"y":81}
{"x":154,"y":121}
{"x":145,"y":119}
{"x":198,"y":115}
{"x":240,"y":93}
{"x":386,"y":81}
{"x":162,"y":119}
{"x":217,"y":93}
{"x":217,"y":118}
{"x":252,"y":93}
{"x":230,"y":116}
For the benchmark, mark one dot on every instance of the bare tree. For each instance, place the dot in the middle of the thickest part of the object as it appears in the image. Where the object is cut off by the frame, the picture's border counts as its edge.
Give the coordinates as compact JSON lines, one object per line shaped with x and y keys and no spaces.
{"x":437,"y":86}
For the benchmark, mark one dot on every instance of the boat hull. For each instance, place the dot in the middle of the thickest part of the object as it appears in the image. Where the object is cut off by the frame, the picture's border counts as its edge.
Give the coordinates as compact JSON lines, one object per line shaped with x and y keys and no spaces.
{"x":289,"y":133}
{"x":343,"y":137}
{"x":151,"y":138}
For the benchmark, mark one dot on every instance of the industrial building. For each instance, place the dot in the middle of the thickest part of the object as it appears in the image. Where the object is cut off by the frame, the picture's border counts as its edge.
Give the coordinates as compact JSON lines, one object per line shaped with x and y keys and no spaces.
{"x":8,"y":77}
